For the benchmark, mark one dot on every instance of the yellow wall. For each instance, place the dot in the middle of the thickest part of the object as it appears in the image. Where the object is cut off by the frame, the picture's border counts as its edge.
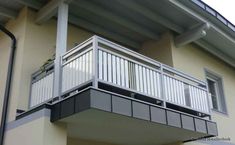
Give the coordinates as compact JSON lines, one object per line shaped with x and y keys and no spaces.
{"x":35,"y":45}
{"x":193,"y":60}
{"x":17,"y":27}
{"x":37,"y":132}
{"x":159,"y":50}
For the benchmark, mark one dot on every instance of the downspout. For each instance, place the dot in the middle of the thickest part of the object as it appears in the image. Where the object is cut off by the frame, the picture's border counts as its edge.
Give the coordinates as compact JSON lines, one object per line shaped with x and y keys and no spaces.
{"x":8,"y":82}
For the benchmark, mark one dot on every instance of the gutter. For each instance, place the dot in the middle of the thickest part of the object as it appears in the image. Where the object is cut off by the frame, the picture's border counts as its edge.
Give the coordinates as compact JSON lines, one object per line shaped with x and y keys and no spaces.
{"x":8,"y":82}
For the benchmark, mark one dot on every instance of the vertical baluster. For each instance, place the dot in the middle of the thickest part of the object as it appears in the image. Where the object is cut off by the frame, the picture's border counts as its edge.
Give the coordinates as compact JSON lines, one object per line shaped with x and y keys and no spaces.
{"x":114,"y":66}
{"x":151,"y":83}
{"x":159,"y":85}
{"x":49,"y":86}
{"x":137,"y":77}
{"x":122,"y":72}
{"x":206,"y":101}
{"x":64,"y":81}
{"x":105,"y":74}
{"x":172,"y":90}
{"x":43,"y":90}
{"x":155,"y":86}
{"x":126,"y":74}
{"x":35,"y":93}
{"x":182,"y":96}
{"x":131,"y":75}
{"x":52,"y":84}
{"x":87,"y":66}
{"x":79,"y":70}
{"x":109,"y":68}
{"x":118,"y":72}
{"x":177,"y":92}
{"x":192,"y":97}
{"x":39,"y":91}
{"x":202,"y":100}
{"x":84,"y":68}
{"x":148,"y":81}
{"x":145,"y":80}
{"x":180,"y":93}
{"x":91,"y":64}
{"x":141,"y":79}
{"x":76,"y":72}
{"x":69,"y":76}
{"x":200,"y":107}
{"x":32,"y":95}
{"x":195,"y":97}
{"x":167,"y":90}
{"x":100,"y":65}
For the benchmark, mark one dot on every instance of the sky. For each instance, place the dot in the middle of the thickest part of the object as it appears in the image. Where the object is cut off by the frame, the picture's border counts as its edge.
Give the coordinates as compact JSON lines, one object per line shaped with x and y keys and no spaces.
{"x":224,"y":7}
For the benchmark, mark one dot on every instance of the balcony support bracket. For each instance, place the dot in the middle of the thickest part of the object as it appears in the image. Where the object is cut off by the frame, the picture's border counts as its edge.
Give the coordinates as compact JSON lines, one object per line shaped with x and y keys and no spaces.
{"x":192,"y":35}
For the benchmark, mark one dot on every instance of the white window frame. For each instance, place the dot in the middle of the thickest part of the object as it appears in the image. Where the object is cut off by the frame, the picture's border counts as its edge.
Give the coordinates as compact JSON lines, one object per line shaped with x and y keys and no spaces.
{"x":219,"y":90}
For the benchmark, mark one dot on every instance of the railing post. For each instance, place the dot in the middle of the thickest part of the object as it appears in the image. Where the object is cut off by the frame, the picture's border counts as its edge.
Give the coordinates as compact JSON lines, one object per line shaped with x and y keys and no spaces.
{"x":95,"y":62}
{"x":30,"y":92}
{"x":162,"y":85}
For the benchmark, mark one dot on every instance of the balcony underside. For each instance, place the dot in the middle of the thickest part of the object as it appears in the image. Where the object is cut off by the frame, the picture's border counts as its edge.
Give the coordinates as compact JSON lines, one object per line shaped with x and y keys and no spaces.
{"x":102,"y":116}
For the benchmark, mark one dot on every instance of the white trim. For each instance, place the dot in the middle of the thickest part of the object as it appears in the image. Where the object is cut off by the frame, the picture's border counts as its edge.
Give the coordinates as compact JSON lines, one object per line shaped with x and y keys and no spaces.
{"x":29,"y":118}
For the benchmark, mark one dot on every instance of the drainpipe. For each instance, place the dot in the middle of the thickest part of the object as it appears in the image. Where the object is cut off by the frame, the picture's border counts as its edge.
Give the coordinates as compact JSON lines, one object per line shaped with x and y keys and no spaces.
{"x":8,"y":82}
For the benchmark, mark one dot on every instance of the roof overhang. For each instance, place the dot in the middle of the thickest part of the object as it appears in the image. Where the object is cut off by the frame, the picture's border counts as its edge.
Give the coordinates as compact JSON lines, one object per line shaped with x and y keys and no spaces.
{"x":135,"y":21}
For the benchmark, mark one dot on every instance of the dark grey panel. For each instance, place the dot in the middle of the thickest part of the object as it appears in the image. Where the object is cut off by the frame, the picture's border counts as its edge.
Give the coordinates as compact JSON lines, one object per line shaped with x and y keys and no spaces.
{"x":173,"y":119}
{"x":96,"y":99}
{"x":67,"y":107}
{"x":121,"y":106}
{"x":200,"y":125}
{"x":100,"y":100}
{"x":55,"y":112}
{"x":212,"y":128}
{"x":82,"y":101}
{"x":187,"y":122}
{"x":141,"y":110}
{"x":158,"y":115}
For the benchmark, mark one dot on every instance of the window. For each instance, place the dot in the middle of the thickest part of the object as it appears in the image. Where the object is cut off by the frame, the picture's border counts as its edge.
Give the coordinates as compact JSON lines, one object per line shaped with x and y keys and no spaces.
{"x":215,"y":88}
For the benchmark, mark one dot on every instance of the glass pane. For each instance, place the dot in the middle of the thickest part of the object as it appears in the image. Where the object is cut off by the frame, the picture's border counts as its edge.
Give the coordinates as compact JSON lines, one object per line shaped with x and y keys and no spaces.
{"x":211,"y":85}
{"x":212,"y":90}
{"x":214,"y":102}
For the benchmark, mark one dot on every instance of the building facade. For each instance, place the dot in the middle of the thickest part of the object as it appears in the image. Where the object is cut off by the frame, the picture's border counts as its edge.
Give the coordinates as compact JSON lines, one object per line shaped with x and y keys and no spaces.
{"x":118,"y":72}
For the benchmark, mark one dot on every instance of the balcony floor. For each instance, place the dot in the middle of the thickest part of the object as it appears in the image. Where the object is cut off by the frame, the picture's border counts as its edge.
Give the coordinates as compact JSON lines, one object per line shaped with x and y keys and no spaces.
{"x":102,"y":116}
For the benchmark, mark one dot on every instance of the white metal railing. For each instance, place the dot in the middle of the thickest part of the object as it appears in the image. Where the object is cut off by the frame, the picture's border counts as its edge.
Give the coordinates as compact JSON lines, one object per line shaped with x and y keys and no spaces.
{"x":129,"y":74}
{"x":42,"y":86}
{"x":98,"y":60}
{"x":77,"y":70}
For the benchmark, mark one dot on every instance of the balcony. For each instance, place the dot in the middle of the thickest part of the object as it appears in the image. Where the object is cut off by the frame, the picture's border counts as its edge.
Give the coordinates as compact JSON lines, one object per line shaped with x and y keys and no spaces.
{"x":99,"y":77}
